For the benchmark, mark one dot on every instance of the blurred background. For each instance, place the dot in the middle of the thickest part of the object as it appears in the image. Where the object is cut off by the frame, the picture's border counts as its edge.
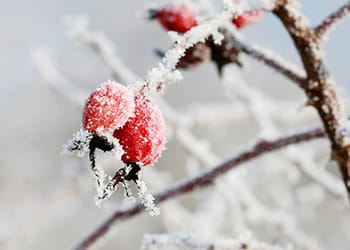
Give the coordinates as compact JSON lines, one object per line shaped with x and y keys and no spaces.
{"x":47,"y":199}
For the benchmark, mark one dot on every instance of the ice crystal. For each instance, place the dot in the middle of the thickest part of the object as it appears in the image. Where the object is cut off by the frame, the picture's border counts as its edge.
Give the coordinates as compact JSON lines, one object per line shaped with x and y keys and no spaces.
{"x":79,"y":144}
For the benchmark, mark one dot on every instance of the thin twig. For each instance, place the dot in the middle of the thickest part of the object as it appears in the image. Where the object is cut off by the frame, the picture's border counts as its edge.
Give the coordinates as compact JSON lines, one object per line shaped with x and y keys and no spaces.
{"x":331,"y":20}
{"x":320,"y":89}
{"x":201,"y":180}
{"x":277,"y":63}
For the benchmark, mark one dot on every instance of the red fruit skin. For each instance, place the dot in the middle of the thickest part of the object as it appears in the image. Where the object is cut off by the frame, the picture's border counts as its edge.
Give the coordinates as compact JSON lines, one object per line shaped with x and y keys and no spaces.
{"x":143,"y":136}
{"x":108,"y":107}
{"x":247,"y":19}
{"x":178,"y":16}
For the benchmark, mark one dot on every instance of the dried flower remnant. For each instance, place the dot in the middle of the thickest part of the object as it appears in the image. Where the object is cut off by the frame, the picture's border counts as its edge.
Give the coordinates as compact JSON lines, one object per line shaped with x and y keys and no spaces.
{"x":224,"y":53}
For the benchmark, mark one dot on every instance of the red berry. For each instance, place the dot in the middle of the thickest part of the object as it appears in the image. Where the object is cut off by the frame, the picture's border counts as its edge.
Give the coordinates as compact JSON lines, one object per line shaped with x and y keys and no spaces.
{"x":143,"y":136}
{"x":108,"y":107}
{"x":178,"y":16}
{"x":247,"y":19}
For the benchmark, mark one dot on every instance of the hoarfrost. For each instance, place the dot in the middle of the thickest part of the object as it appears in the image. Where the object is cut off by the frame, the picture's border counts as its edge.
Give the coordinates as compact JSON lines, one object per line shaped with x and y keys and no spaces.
{"x":146,"y":198}
{"x":79,"y":144}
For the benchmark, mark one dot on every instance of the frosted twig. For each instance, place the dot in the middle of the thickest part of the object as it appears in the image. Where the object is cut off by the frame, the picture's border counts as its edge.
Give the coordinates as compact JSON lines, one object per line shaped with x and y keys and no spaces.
{"x":190,"y":242}
{"x":332,"y":20}
{"x":56,"y":80}
{"x":166,"y":71}
{"x":276,"y":62}
{"x":201,"y":180}
{"x":326,"y":180}
{"x":253,"y":100}
{"x":320,"y":88}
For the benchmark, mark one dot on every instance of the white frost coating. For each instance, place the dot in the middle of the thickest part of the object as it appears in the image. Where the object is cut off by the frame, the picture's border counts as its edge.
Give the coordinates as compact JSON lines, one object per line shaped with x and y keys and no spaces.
{"x":79,"y":144}
{"x":100,"y":176}
{"x":187,"y":241}
{"x":146,"y":198}
{"x":127,"y":193}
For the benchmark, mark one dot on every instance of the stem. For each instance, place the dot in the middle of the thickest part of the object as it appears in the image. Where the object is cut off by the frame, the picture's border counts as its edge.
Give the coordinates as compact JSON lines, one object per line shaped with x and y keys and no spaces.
{"x":269,"y":59}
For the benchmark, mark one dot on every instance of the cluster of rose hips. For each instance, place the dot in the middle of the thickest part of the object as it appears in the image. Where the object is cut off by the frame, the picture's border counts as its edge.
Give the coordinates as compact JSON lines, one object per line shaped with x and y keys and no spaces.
{"x":114,"y":115}
{"x":181,"y":16}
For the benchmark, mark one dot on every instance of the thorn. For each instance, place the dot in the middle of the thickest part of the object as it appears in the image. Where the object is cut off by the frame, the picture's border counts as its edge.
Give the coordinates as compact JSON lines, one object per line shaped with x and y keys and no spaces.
{"x":152,"y":14}
{"x":159,"y":52}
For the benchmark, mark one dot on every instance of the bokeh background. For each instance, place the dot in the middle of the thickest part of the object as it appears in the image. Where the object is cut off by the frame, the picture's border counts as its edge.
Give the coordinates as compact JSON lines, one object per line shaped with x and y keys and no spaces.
{"x":47,"y":199}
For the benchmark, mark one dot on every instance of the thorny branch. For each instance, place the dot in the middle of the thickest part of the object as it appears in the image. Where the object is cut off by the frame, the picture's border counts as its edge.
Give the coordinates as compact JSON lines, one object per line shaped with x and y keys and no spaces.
{"x":201,"y":180}
{"x":330,"y":21}
{"x":320,"y":88}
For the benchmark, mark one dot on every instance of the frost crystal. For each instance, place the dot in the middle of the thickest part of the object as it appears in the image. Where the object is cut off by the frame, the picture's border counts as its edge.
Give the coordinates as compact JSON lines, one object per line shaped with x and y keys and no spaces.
{"x":79,"y":144}
{"x":146,"y":198}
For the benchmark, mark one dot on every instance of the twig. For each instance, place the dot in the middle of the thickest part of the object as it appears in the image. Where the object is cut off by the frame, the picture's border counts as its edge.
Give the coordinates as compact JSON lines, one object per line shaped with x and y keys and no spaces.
{"x":252,"y":99}
{"x":320,"y":88}
{"x":331,"y":20}
{"x":202,"y":180}
{"x":277,"y":63}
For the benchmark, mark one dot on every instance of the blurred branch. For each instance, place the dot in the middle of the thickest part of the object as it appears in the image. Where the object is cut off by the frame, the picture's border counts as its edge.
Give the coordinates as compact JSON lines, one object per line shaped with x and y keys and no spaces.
{"x":331,"y":20}
{"x":55,"y":79}
{"x":79,"y":30}
{"x":201,"y":180}
{"x":320,"y":88}
{"x":184,"y":241}
{"x":252,"y":98}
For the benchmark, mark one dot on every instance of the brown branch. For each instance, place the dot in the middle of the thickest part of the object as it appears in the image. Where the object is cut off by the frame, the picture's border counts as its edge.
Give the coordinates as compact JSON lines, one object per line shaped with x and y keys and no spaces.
{"x":320,"y":88}
{"x":270,"y":60}
{"x":201,"y":180}
{"x":331,"y":20}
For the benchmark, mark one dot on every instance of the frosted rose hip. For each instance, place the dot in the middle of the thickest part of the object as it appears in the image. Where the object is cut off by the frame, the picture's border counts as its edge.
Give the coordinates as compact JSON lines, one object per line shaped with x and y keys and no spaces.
{"x":143,"y":136}
{"x":247,"y":19}
{"x":108,"y":107}
{"x":178,"y":16}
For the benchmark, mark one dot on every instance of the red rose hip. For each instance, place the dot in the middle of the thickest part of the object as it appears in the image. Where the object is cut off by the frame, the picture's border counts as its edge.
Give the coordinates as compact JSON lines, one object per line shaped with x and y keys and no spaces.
{"x":143,"y":136}
{"x":178,"y":16}
{"x":108,"y":107}
{"x":247,"y":19}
